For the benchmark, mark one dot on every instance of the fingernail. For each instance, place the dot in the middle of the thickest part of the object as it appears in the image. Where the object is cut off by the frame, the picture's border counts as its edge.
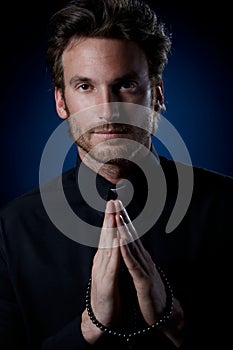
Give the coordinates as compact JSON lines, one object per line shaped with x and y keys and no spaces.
{"x":110,"y":208}
{"x":122,"y":219}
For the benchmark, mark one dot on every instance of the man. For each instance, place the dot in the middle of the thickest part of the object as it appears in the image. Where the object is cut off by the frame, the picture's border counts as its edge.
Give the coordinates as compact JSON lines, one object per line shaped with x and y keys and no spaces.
{"x":131,"y":284}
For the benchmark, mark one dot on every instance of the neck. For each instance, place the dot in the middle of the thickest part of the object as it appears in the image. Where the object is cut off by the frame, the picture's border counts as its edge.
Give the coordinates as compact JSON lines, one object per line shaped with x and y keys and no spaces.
{"x":114,"y":172}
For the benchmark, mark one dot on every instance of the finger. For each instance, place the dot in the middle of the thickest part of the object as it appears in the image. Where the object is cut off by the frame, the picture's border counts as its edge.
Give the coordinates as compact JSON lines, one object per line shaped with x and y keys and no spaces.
{"x":109,"y":230}
{"x":123,"y":230}
{"x":137,"y":264}
{"x":126,"y":221}
{"x":108,"y":242}
{"x":135,"y":255}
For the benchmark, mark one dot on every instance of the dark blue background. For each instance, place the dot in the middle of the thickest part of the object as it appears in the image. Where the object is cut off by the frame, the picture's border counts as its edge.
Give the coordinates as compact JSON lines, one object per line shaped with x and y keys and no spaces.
{"x":198,"y":88}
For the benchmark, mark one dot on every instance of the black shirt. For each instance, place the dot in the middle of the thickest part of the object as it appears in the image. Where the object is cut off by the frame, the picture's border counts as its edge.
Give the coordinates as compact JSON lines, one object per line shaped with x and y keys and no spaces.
{"x":46,"y":257}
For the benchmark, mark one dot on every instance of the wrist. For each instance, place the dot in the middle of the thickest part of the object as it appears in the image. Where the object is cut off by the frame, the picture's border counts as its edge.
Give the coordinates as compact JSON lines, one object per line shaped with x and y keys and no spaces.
{"x":90,"y":332}
{"x":175,"y":327}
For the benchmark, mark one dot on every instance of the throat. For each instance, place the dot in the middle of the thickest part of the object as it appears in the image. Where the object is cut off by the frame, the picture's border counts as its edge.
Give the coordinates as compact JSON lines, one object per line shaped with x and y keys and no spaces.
{"x":116,"y":170}
{"x":113,"y":171}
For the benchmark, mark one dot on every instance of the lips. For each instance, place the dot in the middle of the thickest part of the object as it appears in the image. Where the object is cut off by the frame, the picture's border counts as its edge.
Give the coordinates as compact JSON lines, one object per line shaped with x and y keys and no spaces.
{"x":110,"y":130}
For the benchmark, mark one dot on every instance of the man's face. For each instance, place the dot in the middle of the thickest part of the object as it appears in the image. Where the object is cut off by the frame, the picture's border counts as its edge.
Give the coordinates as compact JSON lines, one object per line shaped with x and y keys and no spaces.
{"x":108,"y":75}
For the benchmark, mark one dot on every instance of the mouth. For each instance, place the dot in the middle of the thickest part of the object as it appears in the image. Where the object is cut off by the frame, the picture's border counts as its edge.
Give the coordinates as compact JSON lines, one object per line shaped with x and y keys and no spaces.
{"x":111,"y":131}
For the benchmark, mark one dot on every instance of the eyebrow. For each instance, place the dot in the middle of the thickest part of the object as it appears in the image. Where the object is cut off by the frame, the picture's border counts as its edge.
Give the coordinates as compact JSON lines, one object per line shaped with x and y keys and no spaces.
{"x":79,"y":79}
{"x":128,"y":76}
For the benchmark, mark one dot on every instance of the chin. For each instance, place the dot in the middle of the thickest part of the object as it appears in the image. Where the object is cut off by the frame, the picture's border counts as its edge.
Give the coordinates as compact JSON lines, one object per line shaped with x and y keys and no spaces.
{"x":115,"y":154}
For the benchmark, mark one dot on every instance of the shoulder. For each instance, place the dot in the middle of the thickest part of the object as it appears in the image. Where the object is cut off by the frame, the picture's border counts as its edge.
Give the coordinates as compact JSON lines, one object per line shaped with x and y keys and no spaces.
{"x":31,"y":202}
{"x":208,"y":194}
{"x":203,"y":179}
{"x":206,"y":190}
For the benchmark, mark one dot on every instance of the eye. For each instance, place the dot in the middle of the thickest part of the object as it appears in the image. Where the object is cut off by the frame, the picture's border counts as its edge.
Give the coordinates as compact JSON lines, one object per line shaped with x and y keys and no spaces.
{"x":128,"y":85}
{"x":84,"y":87}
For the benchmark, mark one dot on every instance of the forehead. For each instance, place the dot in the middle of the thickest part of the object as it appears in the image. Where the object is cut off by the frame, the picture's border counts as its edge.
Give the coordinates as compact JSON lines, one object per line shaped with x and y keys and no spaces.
{"x":103,"y":55}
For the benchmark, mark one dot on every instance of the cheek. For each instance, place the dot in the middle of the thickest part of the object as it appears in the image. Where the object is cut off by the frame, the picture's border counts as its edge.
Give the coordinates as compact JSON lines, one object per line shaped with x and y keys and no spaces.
{"x":148,"y":97}
{"x":73,"y":105}
{"x":75,"y":101}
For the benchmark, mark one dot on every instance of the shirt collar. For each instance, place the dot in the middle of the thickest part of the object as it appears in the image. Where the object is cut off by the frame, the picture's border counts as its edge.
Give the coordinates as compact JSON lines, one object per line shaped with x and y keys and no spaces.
{"x":123,"y":190}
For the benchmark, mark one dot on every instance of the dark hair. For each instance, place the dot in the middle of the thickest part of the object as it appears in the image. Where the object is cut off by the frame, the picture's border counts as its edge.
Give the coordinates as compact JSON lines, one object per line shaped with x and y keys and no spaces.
{"x":122,"y":19}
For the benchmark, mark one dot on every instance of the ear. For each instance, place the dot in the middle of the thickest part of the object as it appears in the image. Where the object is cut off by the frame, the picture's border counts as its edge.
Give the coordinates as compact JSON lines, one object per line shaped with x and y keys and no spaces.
{"x":60,"y":103}
{"x":159,"y":97}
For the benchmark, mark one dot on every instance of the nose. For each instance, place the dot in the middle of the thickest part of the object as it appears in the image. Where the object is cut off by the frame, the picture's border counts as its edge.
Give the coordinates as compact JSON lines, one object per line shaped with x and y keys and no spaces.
{"x":110,"y":111}
{"x":109,"y":105}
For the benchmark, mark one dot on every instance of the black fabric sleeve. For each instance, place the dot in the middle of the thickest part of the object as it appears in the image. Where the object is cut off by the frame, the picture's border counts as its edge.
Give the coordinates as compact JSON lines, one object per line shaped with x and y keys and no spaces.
{"x":69,"y":338}
{"x":12,"y":332}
